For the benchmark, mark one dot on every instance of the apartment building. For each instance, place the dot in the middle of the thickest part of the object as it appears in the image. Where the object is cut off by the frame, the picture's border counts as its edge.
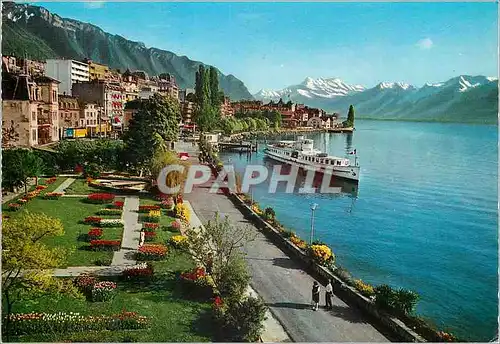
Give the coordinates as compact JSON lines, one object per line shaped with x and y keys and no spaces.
{"x":97,"y":71}
{"x":69,"y":114}
{"x":68,"y":72}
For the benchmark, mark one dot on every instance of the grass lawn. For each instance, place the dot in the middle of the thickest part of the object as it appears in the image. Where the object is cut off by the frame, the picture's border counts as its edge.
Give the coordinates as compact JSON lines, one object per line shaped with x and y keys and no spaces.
{"x":80,"y":187}
{"x":71,"y":211}
{"x":174,"y":318}
{"x":41,"y":181}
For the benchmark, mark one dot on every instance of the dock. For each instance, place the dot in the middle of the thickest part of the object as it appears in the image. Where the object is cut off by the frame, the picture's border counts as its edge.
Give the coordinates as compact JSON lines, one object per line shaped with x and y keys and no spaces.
{"x":240,"y":146}
{"x":341,"y":130}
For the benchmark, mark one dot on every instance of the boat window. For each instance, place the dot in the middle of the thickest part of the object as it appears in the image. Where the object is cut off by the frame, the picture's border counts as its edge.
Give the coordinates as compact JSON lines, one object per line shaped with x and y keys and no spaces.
{"x":321,"y":161}
{"x":339,"y":162}
{"x":332,"y":162}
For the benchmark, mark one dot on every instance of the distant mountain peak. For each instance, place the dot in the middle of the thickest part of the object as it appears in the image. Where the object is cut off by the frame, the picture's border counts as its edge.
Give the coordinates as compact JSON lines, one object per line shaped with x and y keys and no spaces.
{"x":394,"y":85}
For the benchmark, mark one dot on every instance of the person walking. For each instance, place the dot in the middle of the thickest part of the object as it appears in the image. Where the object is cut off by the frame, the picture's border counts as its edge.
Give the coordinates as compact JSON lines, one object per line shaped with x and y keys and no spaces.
{"x":315,"y":295}
{"x":328,"y":295}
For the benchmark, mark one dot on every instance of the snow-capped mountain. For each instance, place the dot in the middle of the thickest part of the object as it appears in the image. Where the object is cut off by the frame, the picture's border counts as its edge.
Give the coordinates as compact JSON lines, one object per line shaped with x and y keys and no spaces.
{"x":327,"y":88}
{"x":464,"y":98}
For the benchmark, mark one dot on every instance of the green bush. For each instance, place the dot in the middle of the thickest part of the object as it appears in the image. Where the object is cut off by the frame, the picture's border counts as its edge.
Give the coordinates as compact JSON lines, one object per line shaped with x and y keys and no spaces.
{"x":92,"y":170}
{"x":269,"y":213}
{"x":234,"y":279}
{"x":384,"y":297}
{"x":405,"y":301}
{"x":240,"y":321}
{"x":344,"y":275}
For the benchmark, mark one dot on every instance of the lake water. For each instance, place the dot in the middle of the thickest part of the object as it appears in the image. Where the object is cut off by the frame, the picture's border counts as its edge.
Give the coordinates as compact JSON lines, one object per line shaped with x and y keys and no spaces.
{"x":424,"y":216}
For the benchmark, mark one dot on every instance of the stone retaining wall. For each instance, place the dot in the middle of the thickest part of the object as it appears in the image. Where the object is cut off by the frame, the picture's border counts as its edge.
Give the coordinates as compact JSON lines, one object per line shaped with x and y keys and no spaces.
{"x":347,"y":293}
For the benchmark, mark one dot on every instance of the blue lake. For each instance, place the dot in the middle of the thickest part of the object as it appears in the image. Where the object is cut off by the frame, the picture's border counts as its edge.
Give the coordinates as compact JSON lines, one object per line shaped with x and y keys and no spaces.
{"x":424,"y":216}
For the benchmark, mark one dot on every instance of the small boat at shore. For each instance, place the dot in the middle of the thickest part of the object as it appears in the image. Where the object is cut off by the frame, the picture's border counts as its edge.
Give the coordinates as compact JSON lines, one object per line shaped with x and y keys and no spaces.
{"x":303,"y":154}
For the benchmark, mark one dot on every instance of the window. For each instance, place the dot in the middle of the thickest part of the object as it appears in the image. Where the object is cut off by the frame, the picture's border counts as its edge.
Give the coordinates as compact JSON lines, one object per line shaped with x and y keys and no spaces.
{"x":88,"y":122}
{"x":33,"y":116}
{"x":332,"y":162}
{"x":338,"y":162}
{"x":33,"y":135}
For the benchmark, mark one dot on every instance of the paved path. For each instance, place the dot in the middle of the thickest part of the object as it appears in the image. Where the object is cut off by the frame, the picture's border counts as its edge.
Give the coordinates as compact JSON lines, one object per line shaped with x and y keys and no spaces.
{"x":74,"y":271}
{"x":131,"y":233}
{"x":62,"y":187}
{"x":286,"y":287}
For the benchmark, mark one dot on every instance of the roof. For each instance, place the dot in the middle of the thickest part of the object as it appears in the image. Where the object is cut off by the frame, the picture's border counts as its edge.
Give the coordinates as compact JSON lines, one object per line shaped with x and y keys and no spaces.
{"x":46,"y":79}
{"x":15,"y":87}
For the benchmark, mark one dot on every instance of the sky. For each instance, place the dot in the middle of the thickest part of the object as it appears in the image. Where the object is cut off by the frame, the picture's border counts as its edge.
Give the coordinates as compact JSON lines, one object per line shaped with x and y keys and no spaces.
{"x":275,"y":45}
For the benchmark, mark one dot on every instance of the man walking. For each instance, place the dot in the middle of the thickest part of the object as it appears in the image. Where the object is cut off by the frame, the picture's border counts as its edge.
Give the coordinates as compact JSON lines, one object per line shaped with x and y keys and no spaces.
{"x":315,"y":295}
{"x":328,"y":295}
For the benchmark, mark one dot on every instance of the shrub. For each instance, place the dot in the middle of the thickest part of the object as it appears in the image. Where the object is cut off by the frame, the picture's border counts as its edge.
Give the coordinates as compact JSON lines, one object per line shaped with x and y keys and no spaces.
{"x":233,"y":278}
{"x":197,"y":284}
{"x":105,"y":245}
{"x":269,"y":213}
{"x":100,"y":198}
{"x":92,"y":220}
{"x":446,"y":337}
{"x":140,"y":272}
{"x":52,"y":195}
{"x":151,"y":252}
{"x":344,"y":275}
{"x":364,"y":288}
{"x":103,"y":291}
{"x":150,"y":226}
{"x":178,"y":241}
{"x":108,"y":211}
{"x":111,"y":223}
{"x":384,"y":297}
{"x":240,"y":321}
{"x":94,"y":234}
{"x":176,"y":225}
{"x":321,"y":254}
{"x":405,"y":301}
{"x":92,"y":170}
{"x":288,"y":234}
{"x":168,"y":204}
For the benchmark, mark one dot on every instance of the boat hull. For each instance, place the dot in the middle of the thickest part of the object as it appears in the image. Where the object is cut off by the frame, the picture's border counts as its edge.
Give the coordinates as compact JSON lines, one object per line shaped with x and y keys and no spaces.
{"x":345,"y":172}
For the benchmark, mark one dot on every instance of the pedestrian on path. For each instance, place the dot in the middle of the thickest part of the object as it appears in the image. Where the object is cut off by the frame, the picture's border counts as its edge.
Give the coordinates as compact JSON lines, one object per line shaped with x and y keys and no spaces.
{"x":315,"y":295}
{"x":329,"y":294}
{"x":143,"y":236}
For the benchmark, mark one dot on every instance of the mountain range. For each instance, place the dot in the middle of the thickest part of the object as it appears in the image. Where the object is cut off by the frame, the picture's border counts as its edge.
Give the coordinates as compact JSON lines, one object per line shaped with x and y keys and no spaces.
{"x":35,"y":32}
{"x":465,"y":99}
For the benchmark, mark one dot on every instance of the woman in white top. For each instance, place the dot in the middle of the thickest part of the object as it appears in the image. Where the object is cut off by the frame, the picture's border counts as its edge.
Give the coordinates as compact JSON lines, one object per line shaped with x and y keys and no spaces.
{"x":329,"y":294}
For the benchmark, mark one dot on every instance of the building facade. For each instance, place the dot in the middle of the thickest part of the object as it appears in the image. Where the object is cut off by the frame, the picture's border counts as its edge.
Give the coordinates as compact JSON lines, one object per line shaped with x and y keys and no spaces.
{"x":97,"y":71}
{"x":68,"y":72}
{"x":69,"y":114}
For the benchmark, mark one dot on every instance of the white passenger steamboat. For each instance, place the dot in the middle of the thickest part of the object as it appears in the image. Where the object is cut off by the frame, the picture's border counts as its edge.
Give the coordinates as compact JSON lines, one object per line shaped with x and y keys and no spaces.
{"x":302,"y":153}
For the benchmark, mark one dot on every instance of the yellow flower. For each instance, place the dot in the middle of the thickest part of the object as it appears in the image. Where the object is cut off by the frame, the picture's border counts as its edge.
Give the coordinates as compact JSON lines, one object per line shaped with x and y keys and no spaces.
{"x":182,"y":212}
{"x":322,"y":253}
{"x":364,"y":288}
{"x":154,"y":213}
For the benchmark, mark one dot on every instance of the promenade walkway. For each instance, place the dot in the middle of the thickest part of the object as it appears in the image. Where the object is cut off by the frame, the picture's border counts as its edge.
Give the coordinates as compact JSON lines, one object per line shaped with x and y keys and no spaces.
{"x":131,"y":233}
{"x":285,"y":287}
{"x":62,"y":187}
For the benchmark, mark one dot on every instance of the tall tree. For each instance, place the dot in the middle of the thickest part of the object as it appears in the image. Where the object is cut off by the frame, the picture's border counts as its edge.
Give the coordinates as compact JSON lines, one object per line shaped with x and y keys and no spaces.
{"x":214,"y":87}
{"x":25,"y":259}
{"x":198,"y":88}
{"x":350,"y":118}
{"x":19,"y":165}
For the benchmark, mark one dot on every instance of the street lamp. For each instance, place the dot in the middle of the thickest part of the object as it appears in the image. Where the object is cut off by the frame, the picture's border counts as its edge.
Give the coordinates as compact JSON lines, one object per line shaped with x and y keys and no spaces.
{"x":313,"y":208}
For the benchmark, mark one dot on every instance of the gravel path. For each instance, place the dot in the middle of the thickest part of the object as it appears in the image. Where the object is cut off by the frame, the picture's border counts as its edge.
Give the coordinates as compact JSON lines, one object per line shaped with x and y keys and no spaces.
{"x":131,"y":233}
{"x":62,"y":187}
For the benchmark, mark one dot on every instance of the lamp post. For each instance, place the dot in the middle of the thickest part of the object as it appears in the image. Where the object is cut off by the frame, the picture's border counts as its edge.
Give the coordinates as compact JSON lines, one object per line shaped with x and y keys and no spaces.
{"x":313,"y":208}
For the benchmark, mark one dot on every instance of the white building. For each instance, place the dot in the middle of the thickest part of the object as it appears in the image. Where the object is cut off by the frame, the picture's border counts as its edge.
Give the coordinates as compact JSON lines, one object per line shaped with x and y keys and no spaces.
{"x":67,"y":72}
{"x":148,"y":91}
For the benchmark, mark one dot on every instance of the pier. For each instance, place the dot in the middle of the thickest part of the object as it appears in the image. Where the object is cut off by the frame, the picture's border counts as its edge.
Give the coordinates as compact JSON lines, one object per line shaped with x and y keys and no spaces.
{"x":241,"y":146}
{"x":341,"y":130}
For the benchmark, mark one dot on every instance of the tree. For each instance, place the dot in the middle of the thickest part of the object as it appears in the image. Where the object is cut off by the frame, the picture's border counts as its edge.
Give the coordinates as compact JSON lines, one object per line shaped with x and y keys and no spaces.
{"x":219,"y":246}
{"x":350,"y":118}
{"x":214,"y":87}
{"x":164,"y":158}
{"x":25,"y":259}
{"x":155,"y":123}
{"x":19,"y":165}
{"x":10,"y":135}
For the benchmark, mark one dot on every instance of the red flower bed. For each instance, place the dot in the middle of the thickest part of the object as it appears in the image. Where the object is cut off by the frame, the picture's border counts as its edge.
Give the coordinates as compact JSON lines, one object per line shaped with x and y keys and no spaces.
{"x":149,"y":236}
{"x":40,"y":187}
{"x":92,"y":219}
{"x":218,"y":303}
{"x":105,"y":245}
{"x":138,"y":272}
{"x":94,"y":234}
{"x":151,"y":226}
{"x":194,"y":275}
{"x":100,"y":198}
{"x":152,"y":252}
{"x":148,"y":208}
{"x":14,"y":206}
{"x":51,"y":180}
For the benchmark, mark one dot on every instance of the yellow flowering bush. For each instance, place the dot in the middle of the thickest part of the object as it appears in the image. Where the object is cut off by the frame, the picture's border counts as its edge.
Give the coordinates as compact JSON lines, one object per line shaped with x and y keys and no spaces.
{"x":182,"y":212}
{"x":155,"y":213}
{"x":298,"y":242}
{"x":364,"y":288}
{"x":178,"y":241}
{"x":321,"y":254}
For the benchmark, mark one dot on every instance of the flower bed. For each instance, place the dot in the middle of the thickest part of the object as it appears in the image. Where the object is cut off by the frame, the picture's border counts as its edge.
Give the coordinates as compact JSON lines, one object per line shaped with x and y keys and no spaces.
{"x":51,"y":180}
{"x":53,"y":195}
{"x":197,"y":283}
{"x":151,"y":252}
{"x":182,"y":212}
{"x":364,"y":288}
{"x":85,"y":283}
{"x":94,"y":234}
{"x":148,"y":208}
{"x":168,"y":204}
{"x":100,"y":198}
{"x":116,"y":205}
{"x":30,"y":323}
{"x":176,"y":225}
{"x":105,"y":245}
{"x":103,"y":291}
{"x":298,"y":242}
{"x":95,"y":220}
{"x":149,"y":236}
{"x":108,"y":211}
{"x":151,"y":227}
{"x":14,"y":206}
{"x":178,"y":241}
{"x":111,"y":223}
{"x":321,"y":254}
{"x":152,"y":216}
{"x":140,"y":272}
{"x":40,"y":187}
